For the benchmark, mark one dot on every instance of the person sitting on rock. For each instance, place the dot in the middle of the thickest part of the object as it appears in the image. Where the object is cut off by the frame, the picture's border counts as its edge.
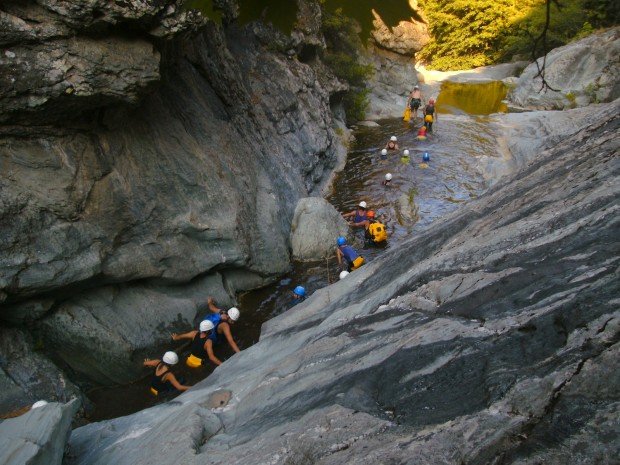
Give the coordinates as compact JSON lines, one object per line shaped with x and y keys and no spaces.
{"x":392,"y":144}
{"x":163,"y":379}
{"x":358,"y":215}
{"x":415,"y":101}
{"x":348,"y":259}
{"x":223,"y":320}
{"x":201,"y":346}
{"x":430,"y":115}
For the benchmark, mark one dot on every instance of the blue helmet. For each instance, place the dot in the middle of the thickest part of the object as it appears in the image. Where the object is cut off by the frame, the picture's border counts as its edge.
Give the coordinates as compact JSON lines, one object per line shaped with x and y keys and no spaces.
{"x":300,"y":291}
{"x":341,"y":241}
{"x":426,"y":156}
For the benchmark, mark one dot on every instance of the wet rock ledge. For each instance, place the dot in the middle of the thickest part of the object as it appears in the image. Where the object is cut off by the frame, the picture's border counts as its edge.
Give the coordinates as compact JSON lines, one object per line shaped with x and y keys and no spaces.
{"x":492,"y":337}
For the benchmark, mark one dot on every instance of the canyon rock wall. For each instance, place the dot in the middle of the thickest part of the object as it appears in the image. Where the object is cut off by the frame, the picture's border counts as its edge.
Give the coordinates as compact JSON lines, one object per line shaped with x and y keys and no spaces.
{"x":149,"y":157}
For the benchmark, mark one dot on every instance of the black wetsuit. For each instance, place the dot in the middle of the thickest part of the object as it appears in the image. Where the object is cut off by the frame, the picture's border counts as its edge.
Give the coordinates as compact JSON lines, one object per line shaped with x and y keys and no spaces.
{"x":429,"y":110}
{"x":198,"y":346}
{"x":158,"y":384}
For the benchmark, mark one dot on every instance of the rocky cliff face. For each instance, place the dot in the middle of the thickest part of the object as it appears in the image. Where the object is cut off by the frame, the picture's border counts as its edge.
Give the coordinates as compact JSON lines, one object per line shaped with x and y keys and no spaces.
{"x":492,"y":337}
{"x":149,"y":158}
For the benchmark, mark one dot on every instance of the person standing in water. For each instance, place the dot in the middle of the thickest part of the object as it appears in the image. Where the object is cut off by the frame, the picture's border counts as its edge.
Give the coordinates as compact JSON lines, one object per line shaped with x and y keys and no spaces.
{"x":358,"y":216}
{"x":223,"y":320}
{"x":415,"y":101}
{"x":201,"y":345}
{"x":163,"y":379}
{"x":430,"y":115}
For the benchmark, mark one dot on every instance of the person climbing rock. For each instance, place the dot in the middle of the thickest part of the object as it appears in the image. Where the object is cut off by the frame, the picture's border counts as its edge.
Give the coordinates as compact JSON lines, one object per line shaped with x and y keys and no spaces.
{"x":415,"y":101}
{"x":358,"y":216}
{"x":201,"y":346}
{"x":376,"y":232}
{"x":163,"y":379}
{"x":223,"y":320}
{"x":430,"y":115}
{"x":348,"y":258}
{"x":388,"y":180}
{"x":392,"y":144}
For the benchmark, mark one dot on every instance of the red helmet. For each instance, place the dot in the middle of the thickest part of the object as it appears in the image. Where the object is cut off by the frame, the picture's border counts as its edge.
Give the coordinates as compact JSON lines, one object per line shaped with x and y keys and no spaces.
{"x":370,"y":214}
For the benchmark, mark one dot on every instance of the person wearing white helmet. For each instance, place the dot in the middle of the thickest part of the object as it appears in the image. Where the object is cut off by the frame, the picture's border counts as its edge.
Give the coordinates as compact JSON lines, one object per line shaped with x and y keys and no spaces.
{"x":223,"y":320}
{"x":201,"y":346}
{"x":39,"y":403}
{"x":415,"y":101}
{"x":358,"y":217}
{"x":163,"y":379}
{"x":392,"y":144}
{"x":384,"y":154}
{"x":388,"y":180}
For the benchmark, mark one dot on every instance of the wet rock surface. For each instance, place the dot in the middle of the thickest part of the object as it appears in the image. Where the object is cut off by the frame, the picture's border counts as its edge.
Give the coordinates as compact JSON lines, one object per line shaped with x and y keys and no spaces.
{"x":490,"y":338}
{"x":579,"y":74}
{"x":37,"y":437}
{"x":315,"y":227}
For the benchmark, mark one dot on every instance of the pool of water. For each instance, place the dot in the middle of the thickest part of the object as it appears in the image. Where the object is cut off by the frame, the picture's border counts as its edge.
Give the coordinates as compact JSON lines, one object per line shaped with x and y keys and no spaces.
{"x":418,"y":196}
{"x":472,"y":98}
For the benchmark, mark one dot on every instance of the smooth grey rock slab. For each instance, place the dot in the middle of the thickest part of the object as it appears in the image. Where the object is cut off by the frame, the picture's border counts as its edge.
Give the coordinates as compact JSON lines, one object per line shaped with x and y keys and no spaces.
{"x":37,"y":437}
{"x":316,"y":226}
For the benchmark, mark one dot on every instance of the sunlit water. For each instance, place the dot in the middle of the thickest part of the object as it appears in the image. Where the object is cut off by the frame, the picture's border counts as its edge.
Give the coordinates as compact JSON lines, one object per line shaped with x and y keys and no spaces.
{"x":417,"y":197}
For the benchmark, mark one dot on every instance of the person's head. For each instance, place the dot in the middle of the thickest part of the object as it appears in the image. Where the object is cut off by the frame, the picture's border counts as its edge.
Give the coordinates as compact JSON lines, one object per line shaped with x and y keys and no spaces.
{"x":205,"y":326}
{"x":341,"y":241}
{"x":299,"y":292}
{"x":388,"y":177}
{"x":432,"y":101}
{"x":233,"y":314}
{"x":39,"y":403}
{"x":384,"y":152}
{"x":422,"y":130}
{"x":343,"y":274}
{"x":426,"y":156}
{"x":362,"y":205}
{"x":393,"y":139}
{"x":416,"y":87}
{"x":406,"y":153}
{"x":391,"y":144}
{"x":170,"y":358}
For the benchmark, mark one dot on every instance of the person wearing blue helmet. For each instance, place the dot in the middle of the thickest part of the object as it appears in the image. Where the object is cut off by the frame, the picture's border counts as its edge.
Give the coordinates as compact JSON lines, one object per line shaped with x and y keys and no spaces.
{"x":299,"y":294}
{"x":348,"y":258}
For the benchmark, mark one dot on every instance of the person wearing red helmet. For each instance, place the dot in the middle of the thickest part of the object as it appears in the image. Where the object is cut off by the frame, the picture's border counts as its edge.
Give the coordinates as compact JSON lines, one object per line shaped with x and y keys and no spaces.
{"x":430,"y":115}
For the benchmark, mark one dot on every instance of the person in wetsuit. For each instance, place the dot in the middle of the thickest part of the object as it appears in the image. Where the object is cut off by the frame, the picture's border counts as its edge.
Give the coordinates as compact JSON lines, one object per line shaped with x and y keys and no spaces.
{"x":163,"y":379}
{"x":415,"y":101}
{"x":430,"y":115}
{"x":348,"y":258}
{"x":201,"y":346}
{"x":357,"y":218}
{"x":223,"y":320}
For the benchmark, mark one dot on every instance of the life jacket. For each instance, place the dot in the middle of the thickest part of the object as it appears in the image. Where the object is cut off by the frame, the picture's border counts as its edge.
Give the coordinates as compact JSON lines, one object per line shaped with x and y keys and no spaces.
{"x":216,"y":319}
{"x":377,"y":232}
{"x":349,"y":253}
{"x":360,"y":217}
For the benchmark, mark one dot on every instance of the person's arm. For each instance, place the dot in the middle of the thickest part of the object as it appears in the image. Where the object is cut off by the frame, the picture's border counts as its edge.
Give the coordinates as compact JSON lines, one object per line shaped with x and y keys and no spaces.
{"x":395,"y":146}
{"x":209,"y":348}
{"x":211,"y":305}
{"x":348,"y":215}
{"x":151,"y":363}
{"x":226,"y":330}
{"x":339,"y":256}
{"x":189,"y":335}
{"x":361,"y":223}
{"x":173,"y":380}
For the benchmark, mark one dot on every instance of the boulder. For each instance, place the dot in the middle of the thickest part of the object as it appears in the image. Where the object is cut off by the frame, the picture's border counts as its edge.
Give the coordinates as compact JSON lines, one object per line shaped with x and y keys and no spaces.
{"x":37,"y":437}
{"x":492,"y":334}
{"x":315,"y":227}
{"x":580,"y":73}
{"x":406,"y":38}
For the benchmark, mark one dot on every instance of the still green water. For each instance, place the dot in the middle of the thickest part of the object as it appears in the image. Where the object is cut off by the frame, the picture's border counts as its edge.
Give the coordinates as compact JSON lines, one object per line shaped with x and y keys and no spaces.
{"x":472,"y":98}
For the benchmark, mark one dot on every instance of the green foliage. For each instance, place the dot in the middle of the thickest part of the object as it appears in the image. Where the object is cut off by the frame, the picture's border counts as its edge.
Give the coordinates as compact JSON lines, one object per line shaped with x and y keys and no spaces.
{"x":470,"y":33}
{"x":341,"y":55}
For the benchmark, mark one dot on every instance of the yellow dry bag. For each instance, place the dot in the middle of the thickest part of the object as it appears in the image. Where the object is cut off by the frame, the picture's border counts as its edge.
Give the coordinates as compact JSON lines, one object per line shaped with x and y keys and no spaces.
{"x":377,"y":232}
{"x":407,"y":114}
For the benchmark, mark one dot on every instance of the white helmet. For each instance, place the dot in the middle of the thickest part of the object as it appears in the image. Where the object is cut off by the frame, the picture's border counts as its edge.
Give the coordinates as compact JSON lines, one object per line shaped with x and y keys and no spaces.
{"x":388,"y":177}
{"x":384,"y":152}
{"x":393,"y":139}
{"x":233,"y":313}
{"x":170,"y":358}
{"x":343,"y":274}
{"x":406,"y":153}
{"x":416,"y":86}
{"x":206,"y":325}
{"x":39,"y":403}
{"x":363,"y":204}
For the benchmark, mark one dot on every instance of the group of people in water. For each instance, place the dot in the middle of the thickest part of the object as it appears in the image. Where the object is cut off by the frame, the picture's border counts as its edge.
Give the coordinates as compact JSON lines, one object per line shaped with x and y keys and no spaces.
{"x":212,"y":330}
{"x":216,"y":326}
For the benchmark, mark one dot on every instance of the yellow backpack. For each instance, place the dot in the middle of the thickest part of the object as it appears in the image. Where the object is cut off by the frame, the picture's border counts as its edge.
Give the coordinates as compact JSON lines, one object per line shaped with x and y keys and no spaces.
{"x":377,"y":232}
